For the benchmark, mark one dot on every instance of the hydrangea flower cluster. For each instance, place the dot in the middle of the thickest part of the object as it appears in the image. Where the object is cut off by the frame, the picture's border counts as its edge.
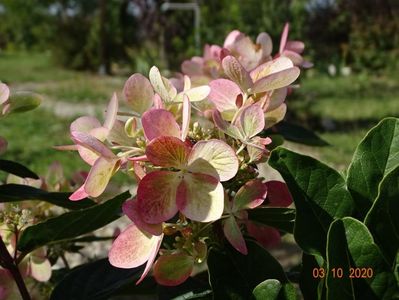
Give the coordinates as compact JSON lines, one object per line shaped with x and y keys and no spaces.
{"x":193,"y":144}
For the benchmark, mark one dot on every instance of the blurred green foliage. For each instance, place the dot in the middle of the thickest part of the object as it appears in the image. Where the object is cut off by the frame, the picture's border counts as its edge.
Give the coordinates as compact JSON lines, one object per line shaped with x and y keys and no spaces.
{"x":135,"y":34}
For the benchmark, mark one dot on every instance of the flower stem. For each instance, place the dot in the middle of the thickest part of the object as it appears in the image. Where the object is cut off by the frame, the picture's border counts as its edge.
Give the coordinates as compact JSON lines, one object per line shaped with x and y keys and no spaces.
{"x":8,"y":263}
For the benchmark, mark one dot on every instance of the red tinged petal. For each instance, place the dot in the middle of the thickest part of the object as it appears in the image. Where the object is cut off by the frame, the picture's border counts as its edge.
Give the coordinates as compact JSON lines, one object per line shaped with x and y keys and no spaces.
{"x":215,"y":158}
{"x":168,"y":151}
{"x":250,"y":195}
{"x":296,"y":46}
{"x":267,"y":236}
{"x":236,"y":72}
{"x":159,"y":122}
{"x":131,"y":248}
{"x":156,"y":196}
{"x":151,"y":258}
{"x":284,"y":37}
{"x":223,"y":94}
{"x":278,"y":194}
{"x":275,"y":80}
{"x":84,"y":124}
{"x":138,"y":93}
{"x":185,"y":127}
{"x":200,"y":197}
{"x":91,"y":143}
{"x":174,"y":269}
{"x":233,"y":234}
{"x":79,"y":194}
{"x":130,"y":208}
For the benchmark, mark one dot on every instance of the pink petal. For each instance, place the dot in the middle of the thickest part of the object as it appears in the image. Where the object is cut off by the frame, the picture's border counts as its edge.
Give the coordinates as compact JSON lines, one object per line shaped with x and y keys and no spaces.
{"x":40,"y":269}
{"x":138,"y":93}
{"x":191,"y":68}
{"x":112,"y":110}
{"x":296,"y":46}
{"x":250,"y":195}
{"x":251,"y":120}
{"x":278,"y":194}
{"x":200,"y":197}
{"x":130,"y":208}
{"x":4,"y":93}
{"x":277,"y":98}
{"x":215,"y":158}
{"x":91,"y":143}
{"x":226,"y":127}
{"x":247,"y":52}
{"x":284,"y":37}
{"x":236,"y":72}
{"x":156,"y":196}
{"x":296,"y":58}
{"x":224,"y":94}
{"x":185,"y":127}
{"x":159,"y":122}
{"x":153,"y":255}
{"x":267,"y":236}
{"x":173,"y":269}
{"x":276,"y":65}
{"x":266,"y":43}
{"x":158,"y":104}
{"x":79,"y":194}
{"x":99,"y":175}
{"x":275,"y":80}
{"x":233,"y":234}
{"x":131,"y":248}
{"x":167,"y":151}
{"x":231,"y":38}
{"x":84,"y":124}
{"x":139,"y":171}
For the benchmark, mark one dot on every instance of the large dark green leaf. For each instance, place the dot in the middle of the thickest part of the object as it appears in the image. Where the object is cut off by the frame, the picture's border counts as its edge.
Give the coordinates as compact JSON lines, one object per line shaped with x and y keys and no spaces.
{"x":15,"y":168}
{"x":309,"y":283}
{"x":94,"y":281}
{"x":277,"y":217}
{"x":71,"y":224}
{"x":234,"y":276}
{"x":319,"y":193}
{"x":350,"y":245}
{"x":375,"y":157}
{"x":298,"y":134}
{"x":19,"y":192}
{"x":383,"y":218}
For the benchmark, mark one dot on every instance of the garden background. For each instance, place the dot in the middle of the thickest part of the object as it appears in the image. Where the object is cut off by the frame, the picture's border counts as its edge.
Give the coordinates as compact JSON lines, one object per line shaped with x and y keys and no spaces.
{"x":77,"y":53}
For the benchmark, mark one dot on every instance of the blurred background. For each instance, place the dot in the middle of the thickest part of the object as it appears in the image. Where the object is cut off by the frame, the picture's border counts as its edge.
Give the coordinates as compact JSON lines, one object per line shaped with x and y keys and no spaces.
{"x":77,"y":52}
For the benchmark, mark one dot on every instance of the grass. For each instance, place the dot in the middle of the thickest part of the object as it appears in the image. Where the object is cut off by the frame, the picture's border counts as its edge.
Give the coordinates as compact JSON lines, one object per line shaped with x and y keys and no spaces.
{"x":347,"y":106}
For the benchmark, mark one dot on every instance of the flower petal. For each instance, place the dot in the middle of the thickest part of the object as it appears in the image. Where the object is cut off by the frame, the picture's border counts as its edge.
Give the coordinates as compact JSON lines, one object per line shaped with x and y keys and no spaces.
{"x":156,"y":196}
{"x":200,"y":197}
{"x":195,"y":94}
{"x":274,"y":116}
{"x":224,"y":94}
{"x":99,"y":175}
{"x":268,"y":237}
{"x":40,"y":269}
{"x":112,"y":110}
{"x":186,"y":115}
{"x":278,"y":194}
{"x":296,"y":46}
{"x":131,"y":248}
{"x":159,"y":122}
{"x":251,"y":120}
{"x":276,"y":65}
{"x":231,"y":38}
{"x":84,"y":124}
{"x":233,"y":234}
{"x":266,"y":43}
{"x":236,"y":72}
{"x":226,"y":127}
{"x":167,"y":151}
{"x":91,"y":143}
{"x":161,"y":85}
{"x":215,"y":158}
{"x":250,"y":195}
{"x":174,"y":269}
{"x":79,"y":194}
{"x":4,"y":93}
{"x":275,"y":80}
{"x":284,"y":37}
{"x":131,"y":209}
{"x":138,"y":93}
{"x":153,"y":255}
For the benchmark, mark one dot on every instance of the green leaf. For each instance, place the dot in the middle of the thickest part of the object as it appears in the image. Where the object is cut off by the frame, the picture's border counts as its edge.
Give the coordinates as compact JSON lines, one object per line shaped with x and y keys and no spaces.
{"x":15,"y":168}
{"x":319,"y":193}
{"x":245,"y":272}
{"x":376,"y":156}
{"x":383,"y":217}
{"x":23,"y":101}
{"x":308,"y":283}
{"x":71,"y":224}
{"x":19,"y":192}
{"x":298,"y":134}
{"x":94,"y":281}
{"x":267,"y":290}
{"x":280,"y":218}
{"x":350,"y":245}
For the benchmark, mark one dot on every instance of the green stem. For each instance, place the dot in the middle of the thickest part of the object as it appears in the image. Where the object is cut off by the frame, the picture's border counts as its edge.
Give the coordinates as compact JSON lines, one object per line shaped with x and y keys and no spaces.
{"x":8,"y":263}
